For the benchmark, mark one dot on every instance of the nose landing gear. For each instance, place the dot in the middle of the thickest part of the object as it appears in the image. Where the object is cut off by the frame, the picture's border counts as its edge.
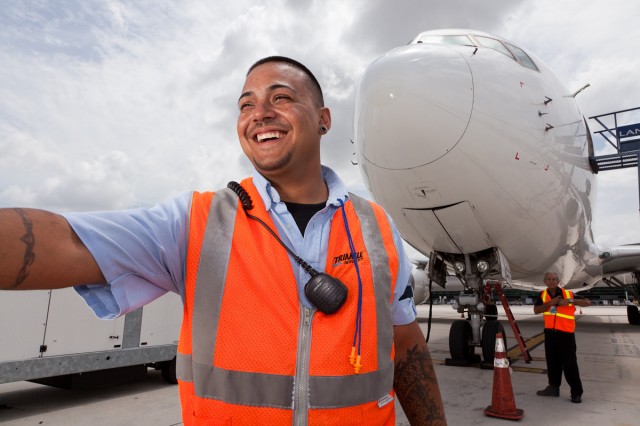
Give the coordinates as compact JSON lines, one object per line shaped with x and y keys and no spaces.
{"x":462,"y":340}
{"x":481,"y":325}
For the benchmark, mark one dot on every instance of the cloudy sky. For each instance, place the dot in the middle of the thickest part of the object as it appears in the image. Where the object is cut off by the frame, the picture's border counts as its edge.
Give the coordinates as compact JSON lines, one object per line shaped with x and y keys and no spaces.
{"x":109,"y":104}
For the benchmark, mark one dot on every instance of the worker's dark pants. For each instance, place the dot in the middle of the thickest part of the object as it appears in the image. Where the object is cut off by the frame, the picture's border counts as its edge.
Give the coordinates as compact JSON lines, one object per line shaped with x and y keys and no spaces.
{"x":560,"y":350}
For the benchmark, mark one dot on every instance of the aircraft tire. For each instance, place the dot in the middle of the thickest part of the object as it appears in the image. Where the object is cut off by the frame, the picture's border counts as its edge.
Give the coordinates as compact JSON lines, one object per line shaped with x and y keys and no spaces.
{"x":460,"y":337}
{"x":491,"y":312}
{"x":168,"y":371}
{"x":633,"y":315}
{"x":489,"y":331}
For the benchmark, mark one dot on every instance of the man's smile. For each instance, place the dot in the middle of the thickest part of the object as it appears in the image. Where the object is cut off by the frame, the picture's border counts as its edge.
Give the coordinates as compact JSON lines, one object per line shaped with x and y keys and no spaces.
{"x":267,"y":136}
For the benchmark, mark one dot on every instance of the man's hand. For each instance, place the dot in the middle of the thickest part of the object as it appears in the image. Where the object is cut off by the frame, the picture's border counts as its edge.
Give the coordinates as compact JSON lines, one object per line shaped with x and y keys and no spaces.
{"x":538,"y":309}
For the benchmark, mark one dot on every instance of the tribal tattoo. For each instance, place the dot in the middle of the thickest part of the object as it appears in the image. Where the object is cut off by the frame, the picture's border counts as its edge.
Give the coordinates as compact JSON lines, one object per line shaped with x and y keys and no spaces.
{"x":29,"y":255}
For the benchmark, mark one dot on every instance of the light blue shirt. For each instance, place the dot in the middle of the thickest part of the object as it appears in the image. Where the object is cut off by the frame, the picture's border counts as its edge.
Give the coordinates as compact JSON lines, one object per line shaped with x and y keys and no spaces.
{"x":142,"y":252}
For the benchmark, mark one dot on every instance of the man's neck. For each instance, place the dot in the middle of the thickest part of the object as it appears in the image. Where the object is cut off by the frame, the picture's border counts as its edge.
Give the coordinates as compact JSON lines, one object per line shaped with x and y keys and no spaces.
{"x":312,"y":189}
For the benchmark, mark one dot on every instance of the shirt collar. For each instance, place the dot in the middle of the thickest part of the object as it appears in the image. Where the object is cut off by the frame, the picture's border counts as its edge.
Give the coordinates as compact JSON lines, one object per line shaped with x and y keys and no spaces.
{"x":270,"y":197}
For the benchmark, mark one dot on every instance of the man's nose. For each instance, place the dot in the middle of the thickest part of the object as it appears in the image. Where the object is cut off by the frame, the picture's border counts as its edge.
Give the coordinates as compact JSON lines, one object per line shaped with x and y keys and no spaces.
{"x":263,"y":111}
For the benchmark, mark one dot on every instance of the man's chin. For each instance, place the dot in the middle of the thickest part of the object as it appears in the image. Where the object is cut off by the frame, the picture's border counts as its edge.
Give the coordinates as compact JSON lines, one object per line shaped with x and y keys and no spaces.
{"x":272,"y":166}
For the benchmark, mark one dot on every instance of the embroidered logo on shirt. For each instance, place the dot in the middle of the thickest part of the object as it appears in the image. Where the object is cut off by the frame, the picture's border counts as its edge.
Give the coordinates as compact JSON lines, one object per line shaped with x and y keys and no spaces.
{"x":346,"y":258}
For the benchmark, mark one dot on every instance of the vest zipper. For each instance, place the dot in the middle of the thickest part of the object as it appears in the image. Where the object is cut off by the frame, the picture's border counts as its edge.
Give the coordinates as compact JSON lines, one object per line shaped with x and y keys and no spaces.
{"x":301,"y":383}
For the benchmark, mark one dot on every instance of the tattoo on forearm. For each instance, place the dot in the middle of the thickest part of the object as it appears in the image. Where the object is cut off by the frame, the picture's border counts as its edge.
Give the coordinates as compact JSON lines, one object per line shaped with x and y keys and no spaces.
{"x":29,"y":256}
{"x":417,"y":389}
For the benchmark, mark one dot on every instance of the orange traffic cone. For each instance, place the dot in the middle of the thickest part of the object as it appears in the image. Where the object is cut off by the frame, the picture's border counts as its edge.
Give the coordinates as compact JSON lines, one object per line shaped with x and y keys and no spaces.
{"x":503,"y":404}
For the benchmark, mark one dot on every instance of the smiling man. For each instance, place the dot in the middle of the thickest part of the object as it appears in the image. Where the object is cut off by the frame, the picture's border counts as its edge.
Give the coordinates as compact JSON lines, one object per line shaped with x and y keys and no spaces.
{"x":275,"y":331}
{"x":282,"y":116}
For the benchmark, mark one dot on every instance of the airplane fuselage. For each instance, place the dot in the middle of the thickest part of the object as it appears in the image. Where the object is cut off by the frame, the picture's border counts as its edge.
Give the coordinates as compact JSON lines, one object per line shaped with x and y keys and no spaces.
{"x":468,"y":150}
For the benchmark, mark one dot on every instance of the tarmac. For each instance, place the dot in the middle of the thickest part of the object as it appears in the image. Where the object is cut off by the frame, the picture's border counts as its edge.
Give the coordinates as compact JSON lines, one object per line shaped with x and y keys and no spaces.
{"x":608,"y":356}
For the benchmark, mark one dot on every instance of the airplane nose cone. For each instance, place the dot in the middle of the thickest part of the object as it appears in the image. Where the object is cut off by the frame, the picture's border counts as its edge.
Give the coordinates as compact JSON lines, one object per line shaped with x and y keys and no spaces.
{"x":413,"y":106}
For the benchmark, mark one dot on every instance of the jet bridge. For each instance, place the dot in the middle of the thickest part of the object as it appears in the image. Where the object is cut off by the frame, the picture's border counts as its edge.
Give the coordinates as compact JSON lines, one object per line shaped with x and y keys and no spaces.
{"x":624,"y":138}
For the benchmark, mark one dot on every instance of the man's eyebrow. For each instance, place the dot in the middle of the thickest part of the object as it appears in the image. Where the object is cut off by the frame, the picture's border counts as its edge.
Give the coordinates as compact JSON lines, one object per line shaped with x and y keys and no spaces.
{"x":269,"y":89}
{"x":244,"y":95}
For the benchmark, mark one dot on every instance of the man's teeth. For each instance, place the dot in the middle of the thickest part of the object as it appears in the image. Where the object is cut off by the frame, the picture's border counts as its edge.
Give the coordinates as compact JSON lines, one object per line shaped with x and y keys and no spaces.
{"x":268,"y":135}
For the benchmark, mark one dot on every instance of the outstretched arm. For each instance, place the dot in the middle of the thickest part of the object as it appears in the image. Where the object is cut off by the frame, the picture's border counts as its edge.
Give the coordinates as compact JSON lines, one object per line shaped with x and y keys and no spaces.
{"x":415,"y":379}
{"x":40,"y":250}
{"x":582,"y":302}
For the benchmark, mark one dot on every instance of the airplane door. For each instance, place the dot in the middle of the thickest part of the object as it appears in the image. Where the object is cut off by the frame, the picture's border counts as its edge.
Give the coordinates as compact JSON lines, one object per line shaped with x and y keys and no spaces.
{"x":453,"y":229}
{"x":463,"y":227}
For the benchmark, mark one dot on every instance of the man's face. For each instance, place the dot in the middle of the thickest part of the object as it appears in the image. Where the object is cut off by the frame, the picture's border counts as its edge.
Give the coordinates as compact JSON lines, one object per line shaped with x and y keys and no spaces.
{"x":551,"y":281}
{"x":279,"y":120}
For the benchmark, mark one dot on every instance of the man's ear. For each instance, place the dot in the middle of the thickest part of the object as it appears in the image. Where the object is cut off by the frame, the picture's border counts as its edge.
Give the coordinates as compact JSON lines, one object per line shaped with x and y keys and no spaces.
{"x":325,"y":119}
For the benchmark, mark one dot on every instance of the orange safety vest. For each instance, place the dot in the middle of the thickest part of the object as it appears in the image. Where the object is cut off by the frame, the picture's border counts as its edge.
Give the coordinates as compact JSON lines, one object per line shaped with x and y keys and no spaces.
{"x":251,"y":353}
{"x":564,"y":318}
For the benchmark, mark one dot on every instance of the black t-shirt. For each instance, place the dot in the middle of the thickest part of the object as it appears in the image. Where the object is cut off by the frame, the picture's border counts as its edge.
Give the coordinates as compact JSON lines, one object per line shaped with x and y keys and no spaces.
{"x":302,"y":213}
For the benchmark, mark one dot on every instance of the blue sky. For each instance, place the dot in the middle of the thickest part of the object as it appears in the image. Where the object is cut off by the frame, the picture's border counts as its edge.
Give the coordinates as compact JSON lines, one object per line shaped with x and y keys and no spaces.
{"x":109,"y":104}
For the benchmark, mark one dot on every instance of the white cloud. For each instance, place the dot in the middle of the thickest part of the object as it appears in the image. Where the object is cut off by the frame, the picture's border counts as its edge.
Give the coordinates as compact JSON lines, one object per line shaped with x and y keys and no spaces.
{"x":113,"y":104}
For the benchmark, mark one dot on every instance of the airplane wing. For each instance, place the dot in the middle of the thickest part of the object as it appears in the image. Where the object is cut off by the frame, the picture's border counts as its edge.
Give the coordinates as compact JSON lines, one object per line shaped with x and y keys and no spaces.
{"x":620,"y":259}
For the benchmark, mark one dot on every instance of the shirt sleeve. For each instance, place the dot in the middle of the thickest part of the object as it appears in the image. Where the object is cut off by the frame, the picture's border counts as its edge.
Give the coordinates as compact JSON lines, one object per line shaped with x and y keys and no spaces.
{"x":141,"y":253}
{"x":539,"y":300}
{"x":403,"y":308}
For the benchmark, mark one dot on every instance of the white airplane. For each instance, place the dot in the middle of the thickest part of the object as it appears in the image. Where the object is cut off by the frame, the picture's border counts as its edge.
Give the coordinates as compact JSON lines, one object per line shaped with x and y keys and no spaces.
{"x":481,"y":157}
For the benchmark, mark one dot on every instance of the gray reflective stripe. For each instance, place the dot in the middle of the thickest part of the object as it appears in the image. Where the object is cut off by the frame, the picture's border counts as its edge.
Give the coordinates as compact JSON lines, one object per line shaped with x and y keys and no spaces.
{"x":239,"y":387}
{"x":212,"y":273}
{"x":269,"y":390}
{"x":381,"y":277}
{"x":345,"y":391}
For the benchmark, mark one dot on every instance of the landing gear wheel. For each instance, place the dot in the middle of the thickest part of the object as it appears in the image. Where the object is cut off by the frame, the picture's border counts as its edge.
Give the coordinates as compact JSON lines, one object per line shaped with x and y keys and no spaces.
{"x":491,"y":312}
{"x":168,"y":371}
{"x":489,"y":331}
{"x":633,"y":315}
{"x":460,"y":337}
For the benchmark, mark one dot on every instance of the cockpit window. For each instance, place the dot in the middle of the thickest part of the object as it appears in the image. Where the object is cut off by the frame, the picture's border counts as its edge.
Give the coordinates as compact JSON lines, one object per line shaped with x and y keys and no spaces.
{"x":460,"y":40}
{"x":523,"y":57}
{"x":494,"y":44}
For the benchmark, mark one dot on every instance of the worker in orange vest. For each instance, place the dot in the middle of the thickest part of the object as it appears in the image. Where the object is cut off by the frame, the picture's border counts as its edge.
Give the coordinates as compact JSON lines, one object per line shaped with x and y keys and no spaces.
{"x":297,"y":308}
{"x":558,"y":308}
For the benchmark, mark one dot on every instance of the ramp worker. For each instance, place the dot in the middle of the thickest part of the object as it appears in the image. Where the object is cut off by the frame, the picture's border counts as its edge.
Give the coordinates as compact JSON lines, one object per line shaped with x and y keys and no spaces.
{"x":558,"y":307}
{"x":297,"y":308}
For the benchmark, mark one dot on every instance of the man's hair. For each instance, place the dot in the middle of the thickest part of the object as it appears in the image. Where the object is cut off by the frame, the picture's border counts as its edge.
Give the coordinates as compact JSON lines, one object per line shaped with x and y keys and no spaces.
{"x":552,"y":273}
{"x":295,"y":64}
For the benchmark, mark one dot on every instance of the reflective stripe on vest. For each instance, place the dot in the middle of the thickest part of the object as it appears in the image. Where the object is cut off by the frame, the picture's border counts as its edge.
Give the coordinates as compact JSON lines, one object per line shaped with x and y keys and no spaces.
{"x":563,"y":319}
{"x":381,"y":274}
{"x":274,"y":390}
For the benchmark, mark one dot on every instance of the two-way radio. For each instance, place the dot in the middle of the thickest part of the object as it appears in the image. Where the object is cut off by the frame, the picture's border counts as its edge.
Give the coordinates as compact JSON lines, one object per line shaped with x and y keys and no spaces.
{"x":325,"y":292}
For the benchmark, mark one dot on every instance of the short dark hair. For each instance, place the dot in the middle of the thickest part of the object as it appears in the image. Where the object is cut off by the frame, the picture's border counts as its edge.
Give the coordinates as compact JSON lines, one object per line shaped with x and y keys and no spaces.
{"x":295,"y":64}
